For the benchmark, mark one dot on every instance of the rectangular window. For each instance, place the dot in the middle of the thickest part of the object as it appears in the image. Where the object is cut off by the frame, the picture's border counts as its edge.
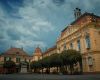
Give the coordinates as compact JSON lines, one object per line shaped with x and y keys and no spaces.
{"x":7,"y":58}
{"x":90,"y":61}
{"x":25,"y":60}
{"x":71,"y":45}
{"x":87,"y":39}
{"x":4,"y":58}
{"x":17,"y":59}
{"x":64,"y":46}
{"x":79,"y":45}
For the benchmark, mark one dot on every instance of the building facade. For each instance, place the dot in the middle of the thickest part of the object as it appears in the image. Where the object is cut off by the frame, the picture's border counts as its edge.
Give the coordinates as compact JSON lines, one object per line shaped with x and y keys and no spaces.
{"x":50,"y":51}
{"x":19,"y":55}
{"x":83,"y":35}
{"x":15,"y":54}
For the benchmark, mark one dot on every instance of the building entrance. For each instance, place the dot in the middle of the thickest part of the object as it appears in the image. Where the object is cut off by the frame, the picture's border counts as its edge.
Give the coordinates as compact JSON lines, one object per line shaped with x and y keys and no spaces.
{"x":24,"y":67}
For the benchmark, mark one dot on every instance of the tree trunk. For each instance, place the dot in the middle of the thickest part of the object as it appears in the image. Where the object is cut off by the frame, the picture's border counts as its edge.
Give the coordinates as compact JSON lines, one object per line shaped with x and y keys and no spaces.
{"x":81,"y":67}
{"x":42,"y":70}
{"x":49,"y":70}
{"x":66,"y":68}
{"x":57,"y":69}
{"x":71,"y":69}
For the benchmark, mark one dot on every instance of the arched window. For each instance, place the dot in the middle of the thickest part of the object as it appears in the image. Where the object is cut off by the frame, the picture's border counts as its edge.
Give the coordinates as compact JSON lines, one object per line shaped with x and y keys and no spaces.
{"x":87,"y":39}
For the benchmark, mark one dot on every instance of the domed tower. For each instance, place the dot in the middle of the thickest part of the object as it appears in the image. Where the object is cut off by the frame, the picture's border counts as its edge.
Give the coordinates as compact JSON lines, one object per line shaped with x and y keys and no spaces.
{"x":37,"y":54}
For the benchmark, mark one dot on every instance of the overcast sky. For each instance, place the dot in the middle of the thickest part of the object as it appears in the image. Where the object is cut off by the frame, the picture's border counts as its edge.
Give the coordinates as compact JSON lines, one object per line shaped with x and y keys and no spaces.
{"x":32,"y":23}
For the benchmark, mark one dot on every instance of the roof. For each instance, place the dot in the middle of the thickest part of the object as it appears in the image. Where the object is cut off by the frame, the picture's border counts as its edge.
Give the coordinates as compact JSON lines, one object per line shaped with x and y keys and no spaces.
{"x":50,"y":49}
{"x":15,"y":51}
{"x":85,"y":14}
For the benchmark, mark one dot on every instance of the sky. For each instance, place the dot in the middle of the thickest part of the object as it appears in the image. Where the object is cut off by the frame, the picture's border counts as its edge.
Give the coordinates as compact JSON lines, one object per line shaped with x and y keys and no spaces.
{"x":28,"y":24}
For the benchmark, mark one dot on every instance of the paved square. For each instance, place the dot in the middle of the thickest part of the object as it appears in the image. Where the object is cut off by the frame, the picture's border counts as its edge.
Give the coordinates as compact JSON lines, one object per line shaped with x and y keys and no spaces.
{"x":48,"y":77}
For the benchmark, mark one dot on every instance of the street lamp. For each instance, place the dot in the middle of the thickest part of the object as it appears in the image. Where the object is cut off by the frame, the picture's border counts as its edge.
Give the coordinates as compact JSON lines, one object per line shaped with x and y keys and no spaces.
{"x":42,"y":62}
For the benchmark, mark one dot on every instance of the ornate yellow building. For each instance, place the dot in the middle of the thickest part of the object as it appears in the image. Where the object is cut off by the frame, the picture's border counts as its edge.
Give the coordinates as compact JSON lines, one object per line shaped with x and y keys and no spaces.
{"x":83,"y":35}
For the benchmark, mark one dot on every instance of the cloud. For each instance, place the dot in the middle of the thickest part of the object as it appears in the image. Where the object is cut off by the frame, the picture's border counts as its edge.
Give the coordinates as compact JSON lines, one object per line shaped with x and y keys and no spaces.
{"x":27,"y":23}
{"x":59,"y":2}
{"x":23,"y":28}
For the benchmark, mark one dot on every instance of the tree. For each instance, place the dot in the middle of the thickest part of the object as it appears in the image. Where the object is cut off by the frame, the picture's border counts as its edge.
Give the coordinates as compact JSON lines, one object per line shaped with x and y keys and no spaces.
{"x":67,"y":59}
{"x":36,"y":65}
{"x":70,"y":58}
{"x":10,"y":66}
{"x":56,"y":61}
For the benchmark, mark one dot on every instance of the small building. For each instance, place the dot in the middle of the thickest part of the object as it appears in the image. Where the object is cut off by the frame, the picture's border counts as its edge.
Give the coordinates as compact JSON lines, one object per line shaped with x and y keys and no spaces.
{"x":15,"y":54}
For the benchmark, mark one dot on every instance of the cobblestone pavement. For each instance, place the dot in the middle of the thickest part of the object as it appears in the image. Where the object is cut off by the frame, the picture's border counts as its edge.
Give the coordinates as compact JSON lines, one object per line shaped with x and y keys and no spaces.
{"x":48,"y":77}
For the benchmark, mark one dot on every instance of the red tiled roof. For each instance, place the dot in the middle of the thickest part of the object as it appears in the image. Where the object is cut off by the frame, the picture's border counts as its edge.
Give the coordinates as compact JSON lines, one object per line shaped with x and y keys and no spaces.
{"x":85,"y":14}
{"x":15,"y":51}
{"x":50,"y":49}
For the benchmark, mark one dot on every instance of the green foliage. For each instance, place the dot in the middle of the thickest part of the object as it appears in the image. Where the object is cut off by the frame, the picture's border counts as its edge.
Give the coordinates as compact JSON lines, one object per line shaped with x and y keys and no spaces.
{"x":9,"y":64}
{"x":66,"y":58}
{"x":55,"y":59}
{"x":1,"y":64}
{"x":35,"y":64}
{"x":71,"y":56}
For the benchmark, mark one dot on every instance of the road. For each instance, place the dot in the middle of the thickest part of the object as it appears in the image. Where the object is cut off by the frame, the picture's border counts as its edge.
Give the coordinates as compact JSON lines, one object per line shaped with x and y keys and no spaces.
{"x":48,"y":77}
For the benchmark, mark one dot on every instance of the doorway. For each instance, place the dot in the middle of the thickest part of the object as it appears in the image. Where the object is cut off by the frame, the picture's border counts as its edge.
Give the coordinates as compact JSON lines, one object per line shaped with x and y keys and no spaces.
{"x":24,"y":67}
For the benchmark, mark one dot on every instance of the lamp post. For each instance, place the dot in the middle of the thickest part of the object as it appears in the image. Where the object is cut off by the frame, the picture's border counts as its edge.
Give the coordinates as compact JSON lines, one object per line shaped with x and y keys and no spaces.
{"x":29,"y":66}
{"x":42,"y":62}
